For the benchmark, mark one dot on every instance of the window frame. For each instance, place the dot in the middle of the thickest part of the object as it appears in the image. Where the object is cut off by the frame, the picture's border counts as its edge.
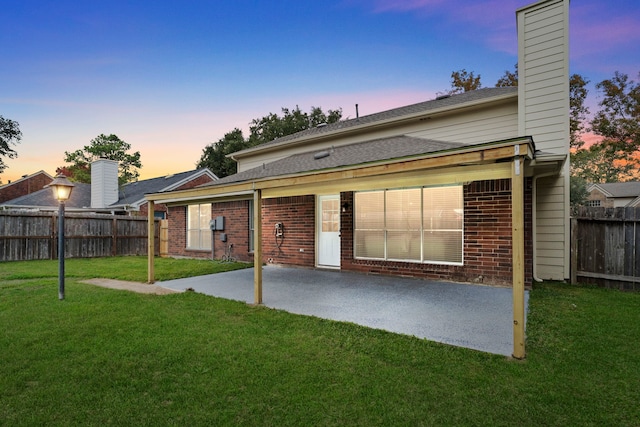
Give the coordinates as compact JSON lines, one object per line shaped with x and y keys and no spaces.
{"x":387,"y":230}
{"x":203,"y":231}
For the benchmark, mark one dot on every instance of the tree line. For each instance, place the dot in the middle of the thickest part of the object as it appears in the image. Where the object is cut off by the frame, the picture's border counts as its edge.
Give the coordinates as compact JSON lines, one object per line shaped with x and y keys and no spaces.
{"x":613,"y":154}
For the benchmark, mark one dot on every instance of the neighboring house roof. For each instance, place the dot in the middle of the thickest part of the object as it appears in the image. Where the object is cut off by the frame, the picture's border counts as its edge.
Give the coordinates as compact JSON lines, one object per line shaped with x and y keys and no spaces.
{"x":24,"y":178}
{"x":131,"y":194}
{"x":438,"y":104}
{"x":25,"y":185}
{"x":617,"y":189}
{"x":383,"y":149}
{"x":80,"y":197}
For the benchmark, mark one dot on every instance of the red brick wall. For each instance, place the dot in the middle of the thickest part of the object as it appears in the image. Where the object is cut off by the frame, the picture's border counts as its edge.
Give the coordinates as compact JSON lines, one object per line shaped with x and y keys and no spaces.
{"x":177,"y":216}
{"x":203,"y":179}
{"x":487,"y":240}
{"x":298,"y":216}
{"x":157,"y":207}
{"x":487,"y":236}
{"x":24,"y":187}
{"x":236,"y":225}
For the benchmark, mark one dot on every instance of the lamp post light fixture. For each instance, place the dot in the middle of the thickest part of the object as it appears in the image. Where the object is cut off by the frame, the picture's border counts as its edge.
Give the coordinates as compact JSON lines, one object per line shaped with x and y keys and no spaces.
{"x":61,"y":187}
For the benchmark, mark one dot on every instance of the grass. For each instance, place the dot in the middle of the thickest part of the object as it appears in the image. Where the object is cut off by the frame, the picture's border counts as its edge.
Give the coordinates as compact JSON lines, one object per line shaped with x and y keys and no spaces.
{"x":131,"y":268}
{"x":108,"y":357}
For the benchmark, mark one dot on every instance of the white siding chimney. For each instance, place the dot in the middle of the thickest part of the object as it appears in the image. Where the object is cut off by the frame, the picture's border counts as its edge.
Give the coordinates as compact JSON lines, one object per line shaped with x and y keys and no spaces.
{"x":543,"y":113}
{"x":104,"y":183}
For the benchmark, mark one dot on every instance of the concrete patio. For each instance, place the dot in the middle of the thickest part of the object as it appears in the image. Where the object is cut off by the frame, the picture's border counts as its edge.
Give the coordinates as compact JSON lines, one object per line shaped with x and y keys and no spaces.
{"x":472,"y":316}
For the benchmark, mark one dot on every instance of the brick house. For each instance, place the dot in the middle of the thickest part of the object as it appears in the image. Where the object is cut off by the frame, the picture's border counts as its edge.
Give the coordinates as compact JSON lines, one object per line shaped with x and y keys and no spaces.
{"x":25,"y":185}
{"x":470,"y":187}
{"x":614,"y":194}
{"x":104,"y":195}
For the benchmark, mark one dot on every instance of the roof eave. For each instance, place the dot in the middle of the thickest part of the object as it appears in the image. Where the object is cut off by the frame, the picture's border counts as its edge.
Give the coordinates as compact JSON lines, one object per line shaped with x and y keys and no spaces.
{"x":367,"y":127}
{"x":522,"y":146}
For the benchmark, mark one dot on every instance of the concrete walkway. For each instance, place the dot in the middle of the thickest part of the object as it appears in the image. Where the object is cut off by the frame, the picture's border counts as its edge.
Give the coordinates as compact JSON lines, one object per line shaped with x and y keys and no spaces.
{"x":472,"y":316}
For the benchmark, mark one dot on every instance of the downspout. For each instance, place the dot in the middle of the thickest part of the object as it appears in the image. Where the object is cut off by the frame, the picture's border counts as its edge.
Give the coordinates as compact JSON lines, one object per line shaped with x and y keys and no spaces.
{"x":534,"y":222}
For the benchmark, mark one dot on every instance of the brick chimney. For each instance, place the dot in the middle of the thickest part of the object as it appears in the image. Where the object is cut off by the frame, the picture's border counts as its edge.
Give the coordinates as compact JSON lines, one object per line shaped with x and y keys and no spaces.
{"x":104,"y":183}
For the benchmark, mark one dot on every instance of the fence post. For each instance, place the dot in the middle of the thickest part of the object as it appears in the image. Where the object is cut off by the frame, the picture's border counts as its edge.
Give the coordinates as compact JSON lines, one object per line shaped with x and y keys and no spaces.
{"x":114,"y":237}
{"x":574,"y":251}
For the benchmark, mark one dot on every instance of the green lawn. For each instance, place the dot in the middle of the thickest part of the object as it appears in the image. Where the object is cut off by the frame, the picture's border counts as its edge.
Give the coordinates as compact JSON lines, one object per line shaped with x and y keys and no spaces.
{"x":109,"y":357}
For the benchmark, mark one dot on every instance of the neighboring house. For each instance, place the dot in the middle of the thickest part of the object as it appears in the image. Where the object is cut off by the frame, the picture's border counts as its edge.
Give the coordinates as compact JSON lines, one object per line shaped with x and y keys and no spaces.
{"x":104,"y":196}
{"x":472,"y":187}
{"x":25,"y":185}
{"x":614,"y":194}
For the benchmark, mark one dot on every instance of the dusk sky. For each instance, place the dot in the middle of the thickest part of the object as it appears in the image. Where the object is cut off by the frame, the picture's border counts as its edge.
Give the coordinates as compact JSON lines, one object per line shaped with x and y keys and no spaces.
{"x":170,"y":77}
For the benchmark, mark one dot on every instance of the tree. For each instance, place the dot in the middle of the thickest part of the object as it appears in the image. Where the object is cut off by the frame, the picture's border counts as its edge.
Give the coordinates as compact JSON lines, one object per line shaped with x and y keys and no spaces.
{"x":9,"y":135}
{"x":578,"y":112}
{"x":464,"y":81}
{"x":509,"y":79}
{"x":273,"y":126}
{"x":264,"y":129}
{"x":618,"y":122}
{"x":578,"y":192}
{"x":214,"y":155}
{"x":616,"y":156}
{"x":106,"y":147}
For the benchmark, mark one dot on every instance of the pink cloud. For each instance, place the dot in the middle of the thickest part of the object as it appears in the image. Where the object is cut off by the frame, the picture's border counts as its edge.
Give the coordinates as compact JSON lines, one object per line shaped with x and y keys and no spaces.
{"x":590,"y":138}
{"x":597,"y":28}
{"x":604,"y":36}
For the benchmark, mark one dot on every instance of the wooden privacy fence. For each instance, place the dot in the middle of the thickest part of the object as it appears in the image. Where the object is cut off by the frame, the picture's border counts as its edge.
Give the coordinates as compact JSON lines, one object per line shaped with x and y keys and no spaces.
{"x":605,"y":247}
{"x":34,"y":235}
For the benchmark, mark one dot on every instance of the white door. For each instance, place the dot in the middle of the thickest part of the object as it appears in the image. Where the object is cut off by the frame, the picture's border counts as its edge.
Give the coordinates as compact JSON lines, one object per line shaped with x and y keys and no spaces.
{"x":329,"y":231}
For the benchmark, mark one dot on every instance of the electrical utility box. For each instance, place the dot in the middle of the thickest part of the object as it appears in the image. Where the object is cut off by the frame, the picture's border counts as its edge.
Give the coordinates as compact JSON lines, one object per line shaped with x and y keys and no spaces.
{"x":219,"y":223}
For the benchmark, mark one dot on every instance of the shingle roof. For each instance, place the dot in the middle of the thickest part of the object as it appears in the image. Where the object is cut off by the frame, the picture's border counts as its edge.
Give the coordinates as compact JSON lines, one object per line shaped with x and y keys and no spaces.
{"x":129,"y":193}
{"x":345,"y":155}
{"x":134,"y":191}
{"x":408,"y":110}
{"x":80,"y":198}
{"x":621,"y":189}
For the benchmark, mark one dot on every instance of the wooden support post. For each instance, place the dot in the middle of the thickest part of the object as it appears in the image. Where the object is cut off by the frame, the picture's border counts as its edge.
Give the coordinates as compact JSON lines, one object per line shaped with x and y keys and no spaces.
{"x":257,"y":247}
{"x":517,"y":242}
{"x":150,"y":242}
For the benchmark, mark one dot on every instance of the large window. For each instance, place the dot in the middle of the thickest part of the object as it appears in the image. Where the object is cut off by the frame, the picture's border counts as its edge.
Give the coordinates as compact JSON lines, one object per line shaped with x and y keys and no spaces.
{"x":198,"y":231}
{"x":416,"y":225}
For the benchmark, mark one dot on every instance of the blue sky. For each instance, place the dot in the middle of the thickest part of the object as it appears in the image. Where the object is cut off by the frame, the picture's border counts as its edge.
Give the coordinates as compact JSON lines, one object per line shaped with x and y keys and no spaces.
{"x":170,"y":77}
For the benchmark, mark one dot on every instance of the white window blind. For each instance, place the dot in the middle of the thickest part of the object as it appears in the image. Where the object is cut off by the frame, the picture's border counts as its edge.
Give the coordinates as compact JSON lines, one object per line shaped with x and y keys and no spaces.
{"x":442,"y":224}
{"x":198,"y":231}
{"x":369,"y":225}
{"x":416,"y":224}
{"x":403,"y":220}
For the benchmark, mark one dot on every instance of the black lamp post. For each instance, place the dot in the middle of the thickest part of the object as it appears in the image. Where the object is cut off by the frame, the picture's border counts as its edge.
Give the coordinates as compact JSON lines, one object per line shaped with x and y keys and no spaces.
{"x":61,"y":187}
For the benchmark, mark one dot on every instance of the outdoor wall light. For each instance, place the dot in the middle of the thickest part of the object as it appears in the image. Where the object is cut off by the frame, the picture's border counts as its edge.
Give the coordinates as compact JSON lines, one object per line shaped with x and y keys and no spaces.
{"x":61,"y":187}
{"x":345,"y":206}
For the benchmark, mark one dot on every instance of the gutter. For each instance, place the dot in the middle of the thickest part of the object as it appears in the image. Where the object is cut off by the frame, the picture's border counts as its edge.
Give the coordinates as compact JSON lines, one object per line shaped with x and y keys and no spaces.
{"x":534,"y":213}
{"x":235,"y":195}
